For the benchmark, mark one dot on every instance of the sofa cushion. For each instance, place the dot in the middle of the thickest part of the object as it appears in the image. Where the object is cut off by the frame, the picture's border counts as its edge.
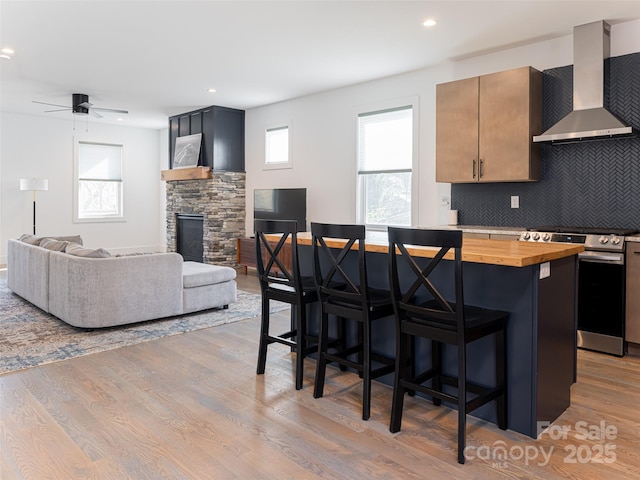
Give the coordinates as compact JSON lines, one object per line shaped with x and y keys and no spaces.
{"x":195,"y":274}
{"x":80,"y":251}
{"x":55,"y":245}
{"x":33,"y":240}
{"x":209,"y":296}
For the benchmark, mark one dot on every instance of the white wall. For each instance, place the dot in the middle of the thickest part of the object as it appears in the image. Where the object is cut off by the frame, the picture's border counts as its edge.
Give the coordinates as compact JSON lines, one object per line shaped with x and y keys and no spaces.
{"x":35,"y":146}
{"x":323,"y":129}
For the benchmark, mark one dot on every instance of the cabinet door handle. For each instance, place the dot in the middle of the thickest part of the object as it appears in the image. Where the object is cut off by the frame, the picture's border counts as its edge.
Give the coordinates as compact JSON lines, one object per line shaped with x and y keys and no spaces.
{"x":474,"y":168}
{"x":637,"y":252}
{"x":480,"y":169}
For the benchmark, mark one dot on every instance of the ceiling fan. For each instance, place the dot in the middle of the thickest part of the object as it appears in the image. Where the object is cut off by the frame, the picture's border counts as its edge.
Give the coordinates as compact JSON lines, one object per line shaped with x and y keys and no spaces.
{"x":80,"y":105}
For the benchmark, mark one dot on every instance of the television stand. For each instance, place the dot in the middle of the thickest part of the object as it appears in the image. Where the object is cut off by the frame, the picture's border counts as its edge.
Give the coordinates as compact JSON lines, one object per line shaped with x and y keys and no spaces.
{"x":246,"y":249}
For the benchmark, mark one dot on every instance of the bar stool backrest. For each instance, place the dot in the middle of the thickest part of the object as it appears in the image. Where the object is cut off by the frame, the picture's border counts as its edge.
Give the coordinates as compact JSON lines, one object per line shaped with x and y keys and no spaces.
{"x":333,"y":278}
{"x":270,"y":260}
{"x":400,"y":242}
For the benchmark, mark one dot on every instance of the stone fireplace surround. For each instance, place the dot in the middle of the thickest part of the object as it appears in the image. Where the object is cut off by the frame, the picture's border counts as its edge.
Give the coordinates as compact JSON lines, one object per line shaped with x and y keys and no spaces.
{"x":221,"y":200}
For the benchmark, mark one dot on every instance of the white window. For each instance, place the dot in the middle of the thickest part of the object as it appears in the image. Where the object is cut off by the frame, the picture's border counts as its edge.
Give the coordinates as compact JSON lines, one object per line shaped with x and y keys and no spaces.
{"x":385,"y":160}
{"x":98,"y":182}
{"x":277,"y":148}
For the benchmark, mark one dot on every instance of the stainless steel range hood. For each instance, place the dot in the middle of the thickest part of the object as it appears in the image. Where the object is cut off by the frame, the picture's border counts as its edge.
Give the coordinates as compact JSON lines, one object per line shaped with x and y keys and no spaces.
{"x":589,"y":120}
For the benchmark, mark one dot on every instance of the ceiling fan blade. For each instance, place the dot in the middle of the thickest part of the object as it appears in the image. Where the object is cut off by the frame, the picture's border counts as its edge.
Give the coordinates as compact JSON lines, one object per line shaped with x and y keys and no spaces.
{"x":112,"y":110}
{"x":51,"y":104}
{"x":95,"y":114}
{"x":61,"y":110}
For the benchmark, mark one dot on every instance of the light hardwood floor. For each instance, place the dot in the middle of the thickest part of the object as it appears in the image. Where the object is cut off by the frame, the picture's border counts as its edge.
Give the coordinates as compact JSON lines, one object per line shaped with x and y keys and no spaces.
{"x":191,"y":407}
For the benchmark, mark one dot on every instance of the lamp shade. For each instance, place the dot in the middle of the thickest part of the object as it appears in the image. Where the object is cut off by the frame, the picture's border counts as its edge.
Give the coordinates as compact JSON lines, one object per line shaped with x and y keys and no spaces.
{"x":34,"y":184}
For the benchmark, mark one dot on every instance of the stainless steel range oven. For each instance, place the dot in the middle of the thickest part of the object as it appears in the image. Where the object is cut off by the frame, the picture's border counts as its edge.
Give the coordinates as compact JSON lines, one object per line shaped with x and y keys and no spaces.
{"x":601,"y":283}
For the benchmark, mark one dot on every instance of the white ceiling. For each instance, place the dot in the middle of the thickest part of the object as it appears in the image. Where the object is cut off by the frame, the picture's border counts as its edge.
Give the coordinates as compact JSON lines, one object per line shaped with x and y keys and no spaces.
{"x":158,"y":58}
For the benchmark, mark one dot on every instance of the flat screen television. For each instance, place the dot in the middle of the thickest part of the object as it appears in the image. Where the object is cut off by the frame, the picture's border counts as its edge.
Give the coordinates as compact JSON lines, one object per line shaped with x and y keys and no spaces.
{"x":281,"y":204}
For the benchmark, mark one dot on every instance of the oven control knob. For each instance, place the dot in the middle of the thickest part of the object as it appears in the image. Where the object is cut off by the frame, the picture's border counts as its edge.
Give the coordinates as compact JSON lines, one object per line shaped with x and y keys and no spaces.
{"x":604,"y":239}
{"x":546,"y":237}
{"x":536,"y":236}
{"x":615,"y":240}
{"x":526,"y":236}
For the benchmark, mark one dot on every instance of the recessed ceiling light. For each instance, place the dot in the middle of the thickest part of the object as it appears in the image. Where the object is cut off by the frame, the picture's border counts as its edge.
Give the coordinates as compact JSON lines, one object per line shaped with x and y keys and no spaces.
{"x":211,"y":90}
{"x":8,"y":51}
{"x":5,"y":56}
{"x":119,"y":119}
{"x":430,"y":22}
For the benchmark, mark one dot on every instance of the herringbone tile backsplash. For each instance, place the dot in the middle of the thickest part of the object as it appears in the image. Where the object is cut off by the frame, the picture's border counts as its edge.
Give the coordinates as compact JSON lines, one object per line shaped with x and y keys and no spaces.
{"x":591,"y":184}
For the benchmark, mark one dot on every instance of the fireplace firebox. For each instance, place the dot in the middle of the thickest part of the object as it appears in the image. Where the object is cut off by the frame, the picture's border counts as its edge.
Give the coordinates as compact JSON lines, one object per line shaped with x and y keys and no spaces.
{"x":189,"y":238}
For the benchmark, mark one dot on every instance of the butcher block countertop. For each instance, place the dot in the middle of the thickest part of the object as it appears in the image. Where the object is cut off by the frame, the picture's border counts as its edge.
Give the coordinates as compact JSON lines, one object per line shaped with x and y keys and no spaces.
{"x":511,"y":253}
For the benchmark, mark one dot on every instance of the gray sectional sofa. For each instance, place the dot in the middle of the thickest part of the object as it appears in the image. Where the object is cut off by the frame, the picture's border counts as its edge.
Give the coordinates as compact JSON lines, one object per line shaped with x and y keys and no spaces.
{"x":90,"y":292}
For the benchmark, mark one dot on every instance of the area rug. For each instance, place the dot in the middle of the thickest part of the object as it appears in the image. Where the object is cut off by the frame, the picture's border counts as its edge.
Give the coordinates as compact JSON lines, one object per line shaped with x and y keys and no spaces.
{"x":31,"y":337}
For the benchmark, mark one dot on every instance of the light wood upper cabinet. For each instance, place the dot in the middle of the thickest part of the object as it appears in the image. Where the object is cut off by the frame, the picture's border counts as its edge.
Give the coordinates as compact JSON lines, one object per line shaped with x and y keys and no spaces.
{"x":457,"y":131}
{"x":632,"y":331}
{"x":485,"y":125}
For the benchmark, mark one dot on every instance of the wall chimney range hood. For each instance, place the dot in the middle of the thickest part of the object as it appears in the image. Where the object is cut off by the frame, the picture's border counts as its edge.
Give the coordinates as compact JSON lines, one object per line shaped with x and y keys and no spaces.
{"x":589,"y":120}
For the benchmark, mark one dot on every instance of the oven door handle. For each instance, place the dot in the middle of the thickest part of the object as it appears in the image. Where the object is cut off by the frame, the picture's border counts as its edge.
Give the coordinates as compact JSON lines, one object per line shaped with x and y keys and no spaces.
{"x":596,"y":257}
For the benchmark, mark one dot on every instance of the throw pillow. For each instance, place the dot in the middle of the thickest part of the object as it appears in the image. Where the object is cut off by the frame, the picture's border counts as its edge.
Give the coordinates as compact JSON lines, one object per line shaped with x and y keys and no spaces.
{"x":55,"y":245}
{"x":80,"y":251}
{"x":30,"y":239}
{"x":33,"y":240}
{"x":69,"y":238}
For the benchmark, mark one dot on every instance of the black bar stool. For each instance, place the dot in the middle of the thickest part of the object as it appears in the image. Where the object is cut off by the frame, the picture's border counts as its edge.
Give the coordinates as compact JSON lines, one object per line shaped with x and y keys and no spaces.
{"x":442,"y":322}
{"x":281,"y":281}
{"x":347,"y":296}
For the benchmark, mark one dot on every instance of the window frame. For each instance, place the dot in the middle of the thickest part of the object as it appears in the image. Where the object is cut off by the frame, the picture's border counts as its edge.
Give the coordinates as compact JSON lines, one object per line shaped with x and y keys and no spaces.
{"x":382,"y":107}
{"x":120,"y":216}
{"x":277,"y":165}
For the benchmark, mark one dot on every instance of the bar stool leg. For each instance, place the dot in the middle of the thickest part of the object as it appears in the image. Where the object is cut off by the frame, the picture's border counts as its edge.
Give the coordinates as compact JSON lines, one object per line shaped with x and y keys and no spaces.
{"x":411,"y":363}
{"x":301,"y":343}
{"x":397,"y":402}
{"x":264,"y":334}
{"x":462,"y":401}
{"x":366,"y":370}
{"x":321,"y":364}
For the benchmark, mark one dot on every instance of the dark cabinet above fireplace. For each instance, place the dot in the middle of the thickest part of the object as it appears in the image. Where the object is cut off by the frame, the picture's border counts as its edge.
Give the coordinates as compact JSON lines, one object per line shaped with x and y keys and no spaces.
{"x":222,"y":131}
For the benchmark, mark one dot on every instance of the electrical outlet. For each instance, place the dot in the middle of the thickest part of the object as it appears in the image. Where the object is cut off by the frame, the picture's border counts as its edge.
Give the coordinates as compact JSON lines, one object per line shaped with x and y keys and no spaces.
{"x":445,"y":201}
{"x":515,"y":201}
{"x":545,"y":270}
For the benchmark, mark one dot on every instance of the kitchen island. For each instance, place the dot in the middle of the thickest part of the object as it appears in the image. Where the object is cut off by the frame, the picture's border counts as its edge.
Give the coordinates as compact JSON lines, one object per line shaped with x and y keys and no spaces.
{"x":536,"y":284}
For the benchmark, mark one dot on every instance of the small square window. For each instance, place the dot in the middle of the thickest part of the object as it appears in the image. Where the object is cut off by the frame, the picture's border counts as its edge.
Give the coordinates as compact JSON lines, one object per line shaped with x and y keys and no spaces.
{"x":277,"y":148}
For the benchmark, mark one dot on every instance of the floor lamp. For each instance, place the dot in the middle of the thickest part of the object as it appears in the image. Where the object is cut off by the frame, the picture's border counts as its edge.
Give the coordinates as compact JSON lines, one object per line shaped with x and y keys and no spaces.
{"x":34,"y":184}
